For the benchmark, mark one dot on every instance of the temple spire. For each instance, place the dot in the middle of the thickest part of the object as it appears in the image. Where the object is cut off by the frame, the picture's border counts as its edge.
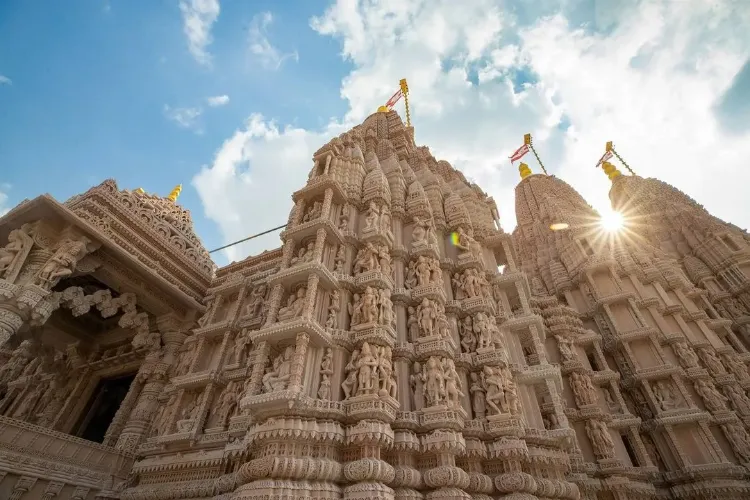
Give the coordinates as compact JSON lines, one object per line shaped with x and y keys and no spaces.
{"x":175,"y":193}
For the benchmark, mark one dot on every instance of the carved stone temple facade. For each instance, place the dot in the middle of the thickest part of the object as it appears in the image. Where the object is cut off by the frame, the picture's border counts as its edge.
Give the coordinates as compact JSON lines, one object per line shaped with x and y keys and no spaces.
{"x":398,"y":345}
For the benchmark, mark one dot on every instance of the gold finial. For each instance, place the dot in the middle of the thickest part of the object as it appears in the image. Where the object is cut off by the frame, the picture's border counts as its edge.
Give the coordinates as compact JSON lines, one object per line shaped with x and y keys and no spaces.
{"x":383,"y":109}
{"x":175,"y":193}
{"x":140,"y":191}
{"x":610,"y":170}
{"x":524,"y":170}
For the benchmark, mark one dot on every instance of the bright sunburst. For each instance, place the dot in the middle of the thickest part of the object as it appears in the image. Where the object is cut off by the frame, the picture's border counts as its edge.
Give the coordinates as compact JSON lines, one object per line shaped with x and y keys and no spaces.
{"x":611,"y":221}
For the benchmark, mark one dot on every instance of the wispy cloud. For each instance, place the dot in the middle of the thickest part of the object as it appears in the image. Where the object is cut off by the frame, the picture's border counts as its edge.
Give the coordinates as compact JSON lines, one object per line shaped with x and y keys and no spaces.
{"x":218,"y":100}
{"x":4,"y":199}
{"x":185,"y":117}
{"x":4,"y":80}
{"x":260,"y":46}
{"x":198,"y":17}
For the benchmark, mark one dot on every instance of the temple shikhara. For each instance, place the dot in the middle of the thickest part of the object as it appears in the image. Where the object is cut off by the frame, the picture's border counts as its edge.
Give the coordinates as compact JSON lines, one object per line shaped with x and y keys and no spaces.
{"x":398,"y":345}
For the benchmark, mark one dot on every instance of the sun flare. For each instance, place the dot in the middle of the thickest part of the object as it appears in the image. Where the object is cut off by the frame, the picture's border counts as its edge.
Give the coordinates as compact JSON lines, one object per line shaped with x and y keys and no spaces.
{"x":612,"y":221}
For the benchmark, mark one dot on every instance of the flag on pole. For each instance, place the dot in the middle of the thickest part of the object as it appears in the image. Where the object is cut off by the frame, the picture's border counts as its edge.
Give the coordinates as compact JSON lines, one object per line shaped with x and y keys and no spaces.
{"x":394,"y":98}
{"x":520,"y":152}
{"x":604,"y":158}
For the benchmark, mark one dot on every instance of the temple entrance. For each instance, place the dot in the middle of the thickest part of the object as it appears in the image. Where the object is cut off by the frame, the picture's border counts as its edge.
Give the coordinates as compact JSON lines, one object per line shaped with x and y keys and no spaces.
{"x":102,"y":407}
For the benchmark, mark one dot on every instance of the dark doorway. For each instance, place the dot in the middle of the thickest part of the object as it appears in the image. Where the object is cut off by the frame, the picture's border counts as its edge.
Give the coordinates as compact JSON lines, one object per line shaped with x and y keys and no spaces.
{"x":101,"y":408}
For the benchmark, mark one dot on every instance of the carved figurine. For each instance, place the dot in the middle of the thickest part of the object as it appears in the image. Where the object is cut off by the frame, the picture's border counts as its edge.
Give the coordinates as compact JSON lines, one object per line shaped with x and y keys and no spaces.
{"x":340,"y":260}
{"x":227,"y":405}
{"x":458,"y":287}
{"x":326,"y":370}
{"x":423,"y":272}
{"x":736,"y":367}
{"x":495,"y":391}
{"x":410,"y":281}
{"x":739,"y":439}
{"x":434,"y":382}
{"x":355,"y":310}
{"x":416,"y":380}
{"x":468,"y":339}
{"x":427,"y":316}
{"x":187,"y":354}
{"x":565,"y":345}
{"x":294,"y":307}
{"x":664,"y":395}
{"x":241,"y":343}
{"x":712,"y":398}
{"x":254,"y":308}
{"x":453,"y":391}
{"x":349,"y":385}
{"x":740,"y":401}
{"x":278,"y":378}
{"x":367,"y":365}
{"x":369,"y":308}
{"x":372,"y":218}
{"x":344,"y":218}
{"x":686,"y":355}
{"x":63,"y":262}
{"x":412,"y":324}
{"x":583,"y":389}
{"x":601,"y":439}
{"x":712,"y":362}
{"x":19,"y":242}
{"x":333,"y":310}
{"x":477,"y":396}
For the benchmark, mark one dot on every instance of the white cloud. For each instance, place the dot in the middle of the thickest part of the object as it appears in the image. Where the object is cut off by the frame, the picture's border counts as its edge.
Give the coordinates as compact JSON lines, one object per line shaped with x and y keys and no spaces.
{"x":646,"y":75}
{"x":218,"y":100}
{"x":261,"y":48}
{"x":185,"y":117}
{"x":4,"y":80}
{"x":4,"y":199}
{"x":198,"y":18}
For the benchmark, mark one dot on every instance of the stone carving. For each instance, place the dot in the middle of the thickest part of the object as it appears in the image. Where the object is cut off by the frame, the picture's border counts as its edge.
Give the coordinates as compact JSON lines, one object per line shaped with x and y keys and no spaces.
{"x":478,"y":390}
{"x":333,"y":310}
{"x":278,"y":375}
{"x":372,"y":218}
{"x":313,"y":212}
{"x":294,"y":306}
{"x":326,"y":371}
{"x":711,"y":361}
{"x":20,"y":242}
{"x":501,"y":392}
{"x":226,"y":406}
{"x":583,"y":389}
{"x":468,"y":245}
{"x":736,"y":367}
{"x":686,"y":355}
{"x":470,"y":284}
{"x":601,"y":439}
{"x":412,"y":324}
{"x":410,"y":281}
{"x":423,"y":233}
{"x":306,"y":253}
{"x":64,"y":260}
{"x":344,"y":218}
{"x":712,"y":398}
{"x":255,"y":306}
{"x":740,"y":401}
{"x":565,"y":345}
{"x":369,"y":371}
{"x":186,"y":357}
{"x":340,"y":260}
{"x":241,"y":345}
{"x":739,"y":439}
{"x":466,"y":332}
{"x":427,"y":316}
{"x":665,"y":395}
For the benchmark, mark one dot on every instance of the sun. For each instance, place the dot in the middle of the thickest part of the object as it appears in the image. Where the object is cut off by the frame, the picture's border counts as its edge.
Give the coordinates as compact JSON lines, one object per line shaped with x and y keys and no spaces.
{"x":611,"y":221}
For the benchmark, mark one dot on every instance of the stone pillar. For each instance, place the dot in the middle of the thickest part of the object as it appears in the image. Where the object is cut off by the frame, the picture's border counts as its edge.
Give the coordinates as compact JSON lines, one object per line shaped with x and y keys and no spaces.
{"x":22,"y":486}
{"x":123,"y":412}
{"x":153,"y":376}
{"x":52,"y":490}
{"x":259,"y":362}
{"x":298,"y":362}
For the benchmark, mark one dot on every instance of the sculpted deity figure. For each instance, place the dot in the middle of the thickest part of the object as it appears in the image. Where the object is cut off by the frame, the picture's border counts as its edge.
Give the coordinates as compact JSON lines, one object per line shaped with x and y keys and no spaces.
{"x":63,"y":262}
{"x":385,"y":260}
{"x":483,"y":330}
{"x":740,"y":401}
{"x":713,"y":399}
{"x":495,"y":391}
{"x":366,"y":259}
{"x":477,"y":391}
{"x":355,"y":310}
{"x":453,"y":391}
{"x":416,"y":381}
{"x":601,"y":439}
{"x":583,"y":389}
{"x":712,"y":361}
{"x":418,"y":233}
{"x":227,"y":404}
{"x":468,"y":245}
{"x":300,"y":257}
{"x":373,"y":217}
{"x":423,"y":271}
{"x":511,"y":392}
{"x":187,"y":354}
{"x":412,"y":324}
{"x":385,"y":220}
{"x":386,"y":316}
{"x":333,"y":310}
{"x":686,"y":355}
{"x":472,"y":284}
{"x":736,"y":367}
{"x":344,"y":218}
{"x":367,"y":365}
{"x":434,"y":382}
{"x":161,"y":420}
{"x":21,"y":356}
{"x":294,"y":307}
{"x":565,"y":345}
{"x":326,"y":370}
{"x":254,"y":308}
{"x":468,"y":339}
{"x":436,"y":272}
{"x":458,"y":287}
{"x":312,"y":213}
{"x":340,"y":260}
{"x":241,"y":343}
{"x":350,"y":384}
{"x":739,"y":439}
{"x":427,"y":316}
{"x":278,"y":377}
{"x":369,"y":310}
{"x":410,"y":281}
{"x":25,"y":410}
{"x":386,"y":382}
{"x":19,"y":241}
{"x":664,"y":394}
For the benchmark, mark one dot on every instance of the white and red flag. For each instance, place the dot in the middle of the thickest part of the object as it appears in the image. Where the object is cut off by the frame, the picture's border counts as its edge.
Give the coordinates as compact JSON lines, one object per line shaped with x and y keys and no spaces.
{"x":394,"y":99}
{"x":520,"y":152}
{"x":604,"y":158}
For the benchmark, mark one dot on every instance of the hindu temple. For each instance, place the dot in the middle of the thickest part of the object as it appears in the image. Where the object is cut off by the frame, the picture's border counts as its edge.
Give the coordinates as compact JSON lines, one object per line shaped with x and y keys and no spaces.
{"x":397,"y":345}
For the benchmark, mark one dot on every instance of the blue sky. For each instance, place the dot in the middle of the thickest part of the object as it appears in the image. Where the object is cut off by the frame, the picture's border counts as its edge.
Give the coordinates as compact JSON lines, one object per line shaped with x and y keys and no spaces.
{"x":92,"y":89}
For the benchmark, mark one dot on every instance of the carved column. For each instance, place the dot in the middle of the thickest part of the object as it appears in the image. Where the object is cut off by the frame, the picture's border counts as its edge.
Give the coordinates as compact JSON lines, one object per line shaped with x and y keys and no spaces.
{"x":259,"y":362}
{"x":123,"y":412}
{"x":298,"y":361}
{"x":52,"y":490}
{"x":153,"y":376}
{"x":23,"y":485}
